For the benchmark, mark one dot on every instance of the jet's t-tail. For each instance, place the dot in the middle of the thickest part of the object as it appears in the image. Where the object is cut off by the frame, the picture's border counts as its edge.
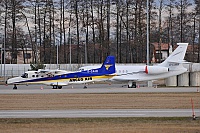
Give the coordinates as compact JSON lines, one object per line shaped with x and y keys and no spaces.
{"x":176,"y":57}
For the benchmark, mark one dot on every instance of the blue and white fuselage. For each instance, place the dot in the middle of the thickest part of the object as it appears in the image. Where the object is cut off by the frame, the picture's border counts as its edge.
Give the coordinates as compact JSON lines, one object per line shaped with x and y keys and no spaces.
{"x":59,"y":78}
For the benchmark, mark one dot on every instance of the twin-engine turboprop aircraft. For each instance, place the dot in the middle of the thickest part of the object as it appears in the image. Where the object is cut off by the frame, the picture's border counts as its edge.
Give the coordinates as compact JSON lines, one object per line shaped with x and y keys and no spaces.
{"x":170,"y":67}
{"x":59,"y":78}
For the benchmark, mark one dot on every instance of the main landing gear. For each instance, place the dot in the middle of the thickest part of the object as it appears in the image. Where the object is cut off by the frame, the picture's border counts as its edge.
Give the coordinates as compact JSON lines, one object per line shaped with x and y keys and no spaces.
{"x":57,"y":87}
{"x":131,"y":84}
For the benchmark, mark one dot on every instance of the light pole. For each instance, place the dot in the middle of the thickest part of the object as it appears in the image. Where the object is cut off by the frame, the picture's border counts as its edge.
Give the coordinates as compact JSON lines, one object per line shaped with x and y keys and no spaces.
{"x":198,"y":59}
{"x":85,"y":53}
{"x":193,"y":40}
{"x":1,"y":58}
{"x":4,"y":57}
{"x":70,"y":52}
{"x":57,"y":53}
{"x":149,"y":83}
{"x":147,"y":32}
{"x":85,"y":44}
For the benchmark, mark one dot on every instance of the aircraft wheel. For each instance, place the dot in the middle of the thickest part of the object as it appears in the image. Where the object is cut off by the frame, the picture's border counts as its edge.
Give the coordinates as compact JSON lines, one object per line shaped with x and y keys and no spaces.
{"x":59,"y":87}
{"x":132,"y":85}
{"x":15,"y":87}
{"x":55,"y":87}
{"x":85,"y":87}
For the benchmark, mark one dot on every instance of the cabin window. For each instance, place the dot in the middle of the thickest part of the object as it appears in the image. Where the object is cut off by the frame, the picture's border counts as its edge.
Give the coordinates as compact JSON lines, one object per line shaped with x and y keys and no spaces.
{"x":25,"y":75}
{"x":33,"y":75}
{"x":36,"y":75}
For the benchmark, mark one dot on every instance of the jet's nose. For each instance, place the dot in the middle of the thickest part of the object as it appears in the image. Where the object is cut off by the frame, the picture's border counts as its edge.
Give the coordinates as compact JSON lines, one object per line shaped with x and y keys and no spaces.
{"x":7,"y":81}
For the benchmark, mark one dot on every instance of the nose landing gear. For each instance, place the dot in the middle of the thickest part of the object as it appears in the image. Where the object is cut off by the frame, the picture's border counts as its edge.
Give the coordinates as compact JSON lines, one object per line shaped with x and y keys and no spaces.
{"x":15,"y":87}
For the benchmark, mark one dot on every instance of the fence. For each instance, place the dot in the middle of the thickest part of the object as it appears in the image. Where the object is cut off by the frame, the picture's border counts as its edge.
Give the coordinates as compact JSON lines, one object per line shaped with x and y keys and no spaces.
{"x":12,"y":70}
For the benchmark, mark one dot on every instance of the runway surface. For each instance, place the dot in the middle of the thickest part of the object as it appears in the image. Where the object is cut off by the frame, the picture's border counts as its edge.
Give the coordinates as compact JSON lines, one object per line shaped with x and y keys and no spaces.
{"x":97,"y":113}
{"x":92,"y":88}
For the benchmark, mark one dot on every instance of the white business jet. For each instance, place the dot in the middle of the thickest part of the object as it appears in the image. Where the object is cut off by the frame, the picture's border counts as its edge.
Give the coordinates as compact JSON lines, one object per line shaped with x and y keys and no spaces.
{"x":170,"y":67}
{"x":59,"y":78}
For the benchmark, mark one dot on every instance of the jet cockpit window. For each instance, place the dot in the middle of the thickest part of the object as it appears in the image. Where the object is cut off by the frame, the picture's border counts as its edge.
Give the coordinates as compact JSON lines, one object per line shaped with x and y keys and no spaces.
{"x":25,"y":75}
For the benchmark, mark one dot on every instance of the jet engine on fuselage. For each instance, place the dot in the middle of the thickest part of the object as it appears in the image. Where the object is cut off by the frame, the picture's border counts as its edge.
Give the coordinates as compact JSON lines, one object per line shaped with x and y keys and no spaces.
{"x":156,"y":69}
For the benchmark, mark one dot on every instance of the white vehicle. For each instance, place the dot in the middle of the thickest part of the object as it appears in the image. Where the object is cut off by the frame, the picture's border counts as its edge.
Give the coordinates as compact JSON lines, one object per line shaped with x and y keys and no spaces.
{"x":170,"y":67}
{"x":59,"y":78}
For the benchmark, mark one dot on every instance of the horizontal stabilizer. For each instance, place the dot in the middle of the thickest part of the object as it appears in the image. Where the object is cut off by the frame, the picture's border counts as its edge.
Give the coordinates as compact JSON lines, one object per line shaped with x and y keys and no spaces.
{"x":179,"y":61}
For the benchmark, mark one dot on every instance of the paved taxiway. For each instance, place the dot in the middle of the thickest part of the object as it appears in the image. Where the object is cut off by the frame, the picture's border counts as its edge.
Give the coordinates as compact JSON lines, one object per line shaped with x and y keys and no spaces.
{"x":92,"y":88}
{"x":83,"y":113}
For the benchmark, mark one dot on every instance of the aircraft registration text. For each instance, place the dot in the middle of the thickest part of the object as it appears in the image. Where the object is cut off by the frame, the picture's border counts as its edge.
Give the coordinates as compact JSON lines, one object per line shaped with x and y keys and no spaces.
{"x":173,"y":64}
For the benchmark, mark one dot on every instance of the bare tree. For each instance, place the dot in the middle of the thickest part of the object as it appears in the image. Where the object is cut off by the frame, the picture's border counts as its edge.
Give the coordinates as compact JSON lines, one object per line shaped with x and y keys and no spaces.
{"x":159,"y":29}
{"x":108,"y":29}
{"x":77,"y":32}
{"x":169,"y":8}
{"x":93,"y":30}
{"x":182,"y":6}
{"x":197,"y":2}
{"x":93,"y":22}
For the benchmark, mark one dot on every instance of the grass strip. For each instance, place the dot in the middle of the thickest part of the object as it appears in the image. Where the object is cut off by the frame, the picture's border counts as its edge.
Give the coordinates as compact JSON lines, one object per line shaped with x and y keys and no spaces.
{"x":94,"y":120}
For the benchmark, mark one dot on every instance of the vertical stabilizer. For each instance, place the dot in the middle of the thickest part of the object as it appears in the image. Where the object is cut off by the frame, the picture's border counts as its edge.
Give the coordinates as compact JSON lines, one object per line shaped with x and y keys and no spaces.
{"x":177,"y":56}
{"x":108,"y":67}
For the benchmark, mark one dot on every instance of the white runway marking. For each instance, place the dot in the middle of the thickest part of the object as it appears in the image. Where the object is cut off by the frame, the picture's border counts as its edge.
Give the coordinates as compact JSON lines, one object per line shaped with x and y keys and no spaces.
{"x":98,"y":113}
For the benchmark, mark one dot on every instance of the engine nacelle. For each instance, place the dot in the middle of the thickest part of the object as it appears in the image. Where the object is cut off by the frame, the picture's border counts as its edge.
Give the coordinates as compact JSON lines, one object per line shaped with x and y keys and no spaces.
{"x":156,"y":69}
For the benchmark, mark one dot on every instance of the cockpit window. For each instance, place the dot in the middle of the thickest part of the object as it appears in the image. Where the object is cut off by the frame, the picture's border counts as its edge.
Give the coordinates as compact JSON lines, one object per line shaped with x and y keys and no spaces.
{"x":25,"y":75}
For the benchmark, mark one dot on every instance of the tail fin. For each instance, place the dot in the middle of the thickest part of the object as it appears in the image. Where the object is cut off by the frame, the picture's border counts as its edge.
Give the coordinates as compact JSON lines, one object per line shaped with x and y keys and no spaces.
{"x":108,"y":67}
{"x":176,"y":57}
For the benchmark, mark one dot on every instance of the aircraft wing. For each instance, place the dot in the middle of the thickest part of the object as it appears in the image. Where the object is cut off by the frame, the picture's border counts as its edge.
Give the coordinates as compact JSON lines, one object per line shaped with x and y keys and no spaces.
{"x":46,"y":72}
{"x":127,"y":77}
{"x":138,"y":72}
{"x":59,"y":83}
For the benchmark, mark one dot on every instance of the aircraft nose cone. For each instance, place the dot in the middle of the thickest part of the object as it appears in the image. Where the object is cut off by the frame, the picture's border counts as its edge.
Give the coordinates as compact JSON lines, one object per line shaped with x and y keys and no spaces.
{"x":7,"y":81}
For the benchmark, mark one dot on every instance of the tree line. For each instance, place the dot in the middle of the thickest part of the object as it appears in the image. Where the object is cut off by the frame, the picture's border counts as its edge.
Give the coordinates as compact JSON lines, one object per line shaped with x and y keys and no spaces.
{"x":86,"y":31}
